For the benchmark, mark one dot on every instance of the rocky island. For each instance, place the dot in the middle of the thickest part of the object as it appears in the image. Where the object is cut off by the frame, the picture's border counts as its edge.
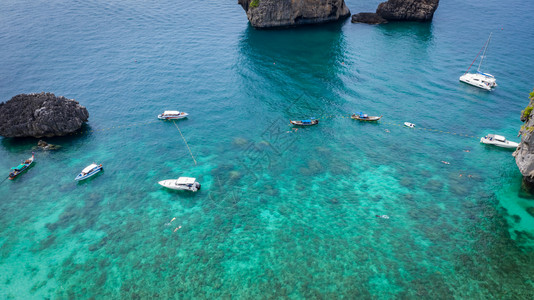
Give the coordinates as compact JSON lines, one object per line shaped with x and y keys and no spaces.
{"x":284,"y":13}
{"x":399,"y":10}
{"x":524,"y":154}
{"x":40,"y":115}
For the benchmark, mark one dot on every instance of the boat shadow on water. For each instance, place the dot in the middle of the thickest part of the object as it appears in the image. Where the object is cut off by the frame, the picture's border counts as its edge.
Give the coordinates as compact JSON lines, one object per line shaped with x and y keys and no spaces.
{"x":181,"y":194}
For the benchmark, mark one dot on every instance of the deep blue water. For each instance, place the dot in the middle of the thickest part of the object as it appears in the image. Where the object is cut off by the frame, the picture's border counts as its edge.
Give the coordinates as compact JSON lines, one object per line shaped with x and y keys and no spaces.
{"x":281,"y":213}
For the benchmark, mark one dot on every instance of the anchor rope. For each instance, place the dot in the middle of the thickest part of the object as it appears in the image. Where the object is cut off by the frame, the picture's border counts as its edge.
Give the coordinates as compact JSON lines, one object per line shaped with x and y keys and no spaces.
{"x":185,"y":141}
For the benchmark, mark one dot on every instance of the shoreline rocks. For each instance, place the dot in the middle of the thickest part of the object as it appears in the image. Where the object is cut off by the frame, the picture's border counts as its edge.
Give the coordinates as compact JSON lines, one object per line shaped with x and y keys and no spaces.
{"x":524,"y":154}
{"x":288,"y":13}
{"x":40,"y":115}
{"x":400,"y":10}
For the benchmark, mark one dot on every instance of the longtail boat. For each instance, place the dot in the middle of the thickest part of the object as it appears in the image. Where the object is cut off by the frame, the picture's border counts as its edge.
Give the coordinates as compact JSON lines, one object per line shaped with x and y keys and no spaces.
{"x":309,"y":122}
{"x":364,"y":117}
{"x":15,"y":171}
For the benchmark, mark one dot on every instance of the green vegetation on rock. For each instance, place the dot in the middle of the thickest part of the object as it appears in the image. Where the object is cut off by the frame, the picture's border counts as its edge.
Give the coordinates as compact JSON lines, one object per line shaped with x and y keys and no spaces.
{"x":527,"y":111}
{"x":255,"y":3}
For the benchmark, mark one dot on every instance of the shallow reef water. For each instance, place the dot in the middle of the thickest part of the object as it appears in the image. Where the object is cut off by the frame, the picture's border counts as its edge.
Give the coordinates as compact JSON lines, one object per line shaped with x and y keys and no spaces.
{"x":282,"y":212}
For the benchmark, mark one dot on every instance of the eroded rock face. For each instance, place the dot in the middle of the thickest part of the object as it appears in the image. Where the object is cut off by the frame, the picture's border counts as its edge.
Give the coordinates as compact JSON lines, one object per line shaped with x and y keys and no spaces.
{"x":369,"y":18}
{"x":282,"y":13}
{"x":408,"y":10}
{"x":524,"y":154}
{"x":40,"y":115}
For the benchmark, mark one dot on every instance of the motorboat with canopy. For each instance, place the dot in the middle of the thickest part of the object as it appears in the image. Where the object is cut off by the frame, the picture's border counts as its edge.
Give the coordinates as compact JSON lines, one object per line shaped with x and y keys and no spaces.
{"x":172,"y":115}
{"x":182,"y":183}
{"x":89,"y":171}
{"x":499,"y":141}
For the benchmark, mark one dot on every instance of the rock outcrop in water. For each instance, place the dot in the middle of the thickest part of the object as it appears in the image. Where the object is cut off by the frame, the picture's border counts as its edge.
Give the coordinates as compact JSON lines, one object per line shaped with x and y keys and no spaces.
{"x":40,"y":115}
{"x":282,"y":13}
{"x":401,"y":10}
{"x":524,"y":154}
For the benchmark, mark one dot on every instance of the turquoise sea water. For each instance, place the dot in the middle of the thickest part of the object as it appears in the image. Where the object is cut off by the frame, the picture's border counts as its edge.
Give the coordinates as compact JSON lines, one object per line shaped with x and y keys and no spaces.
{"x":281,"y":213}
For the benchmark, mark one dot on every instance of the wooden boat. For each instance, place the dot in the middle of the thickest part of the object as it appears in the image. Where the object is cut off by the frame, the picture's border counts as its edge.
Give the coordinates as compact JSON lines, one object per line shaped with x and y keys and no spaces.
{"x":182,"y":183}
{"x":89,"y":171}
{"x":364,"y":117}
{"x":15,"y":171}
{"x":172,"y":115}
{"x":309,"y":122}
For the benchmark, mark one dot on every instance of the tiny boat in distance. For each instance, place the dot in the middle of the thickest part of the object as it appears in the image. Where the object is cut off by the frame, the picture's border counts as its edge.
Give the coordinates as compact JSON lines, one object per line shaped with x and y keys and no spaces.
{"x":408,"y":124}
{"x":480,"y":79}
{"x":15,"y":171}
{"x":182,"y":183}
{"x":364,"y":117}
{"x":499,"y":141}
{"x":172,"y":115}
{"x":309,"y":122}
{"x":89,"y":171}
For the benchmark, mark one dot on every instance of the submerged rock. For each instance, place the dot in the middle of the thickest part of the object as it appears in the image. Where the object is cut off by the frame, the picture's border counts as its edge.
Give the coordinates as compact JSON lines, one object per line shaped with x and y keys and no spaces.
{"x":282,"y":13}
{"x":399,"y":10}
{"x":46,"y":146}
{"x":40,"y":115}
{"x":524,"y":154}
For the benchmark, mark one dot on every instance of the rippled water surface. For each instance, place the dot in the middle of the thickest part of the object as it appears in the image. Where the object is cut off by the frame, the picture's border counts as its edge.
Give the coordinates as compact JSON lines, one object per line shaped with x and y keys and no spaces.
{"x":282,"y":212}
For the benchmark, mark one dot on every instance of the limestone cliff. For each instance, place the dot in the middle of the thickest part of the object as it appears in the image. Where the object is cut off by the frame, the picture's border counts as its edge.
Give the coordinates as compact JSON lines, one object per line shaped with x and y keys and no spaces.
{"x":400,"y":10}
{"x":524,"y":155}
{"x":40,"y":115}
{"x":282,"y":13}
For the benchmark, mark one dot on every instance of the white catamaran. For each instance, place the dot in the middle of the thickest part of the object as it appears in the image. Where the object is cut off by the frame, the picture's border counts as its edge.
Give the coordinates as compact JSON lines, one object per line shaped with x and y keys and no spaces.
{"x":480,"y":79}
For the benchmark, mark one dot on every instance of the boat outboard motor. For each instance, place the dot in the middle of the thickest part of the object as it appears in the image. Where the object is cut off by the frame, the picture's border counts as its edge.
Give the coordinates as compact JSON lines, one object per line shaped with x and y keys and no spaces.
{"x":197,"y":185}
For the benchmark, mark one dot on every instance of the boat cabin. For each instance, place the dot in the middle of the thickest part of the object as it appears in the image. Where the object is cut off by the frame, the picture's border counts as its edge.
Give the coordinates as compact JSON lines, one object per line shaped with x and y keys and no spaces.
{"x":172,"y":113}
{"x":89,"y":168}
{"x":496,"y":137}
{"x":187,"y":181}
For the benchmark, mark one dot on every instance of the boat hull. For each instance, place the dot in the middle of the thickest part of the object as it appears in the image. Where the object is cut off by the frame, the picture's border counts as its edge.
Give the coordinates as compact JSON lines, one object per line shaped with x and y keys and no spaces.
{"x":90,"y":174}
{"x":14,"y":174}
{"x":507,"y":144}
{"x":408,"y":124}
{"x":368,"y":119}
{"x":479,"y":81}
{"x":162,"y":117}
{"x":171,"y":184}
{"x":300,"y":123}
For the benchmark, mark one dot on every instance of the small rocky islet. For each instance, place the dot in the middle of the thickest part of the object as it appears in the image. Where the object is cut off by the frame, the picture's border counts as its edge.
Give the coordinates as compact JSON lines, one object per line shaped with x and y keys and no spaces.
{"x":41,"y":115}
{"x":399,"y":10}
{"x":264,"y":14}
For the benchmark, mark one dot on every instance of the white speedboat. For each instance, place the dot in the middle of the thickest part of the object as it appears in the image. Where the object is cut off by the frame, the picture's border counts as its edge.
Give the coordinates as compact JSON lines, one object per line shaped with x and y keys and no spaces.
{"x":89,"y":171}
{"x":182,"y":183}
{"x":498,"y":140}
{"x":172,"y":115}
{"x":408,"y":124}
{"x":480,"y":79}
